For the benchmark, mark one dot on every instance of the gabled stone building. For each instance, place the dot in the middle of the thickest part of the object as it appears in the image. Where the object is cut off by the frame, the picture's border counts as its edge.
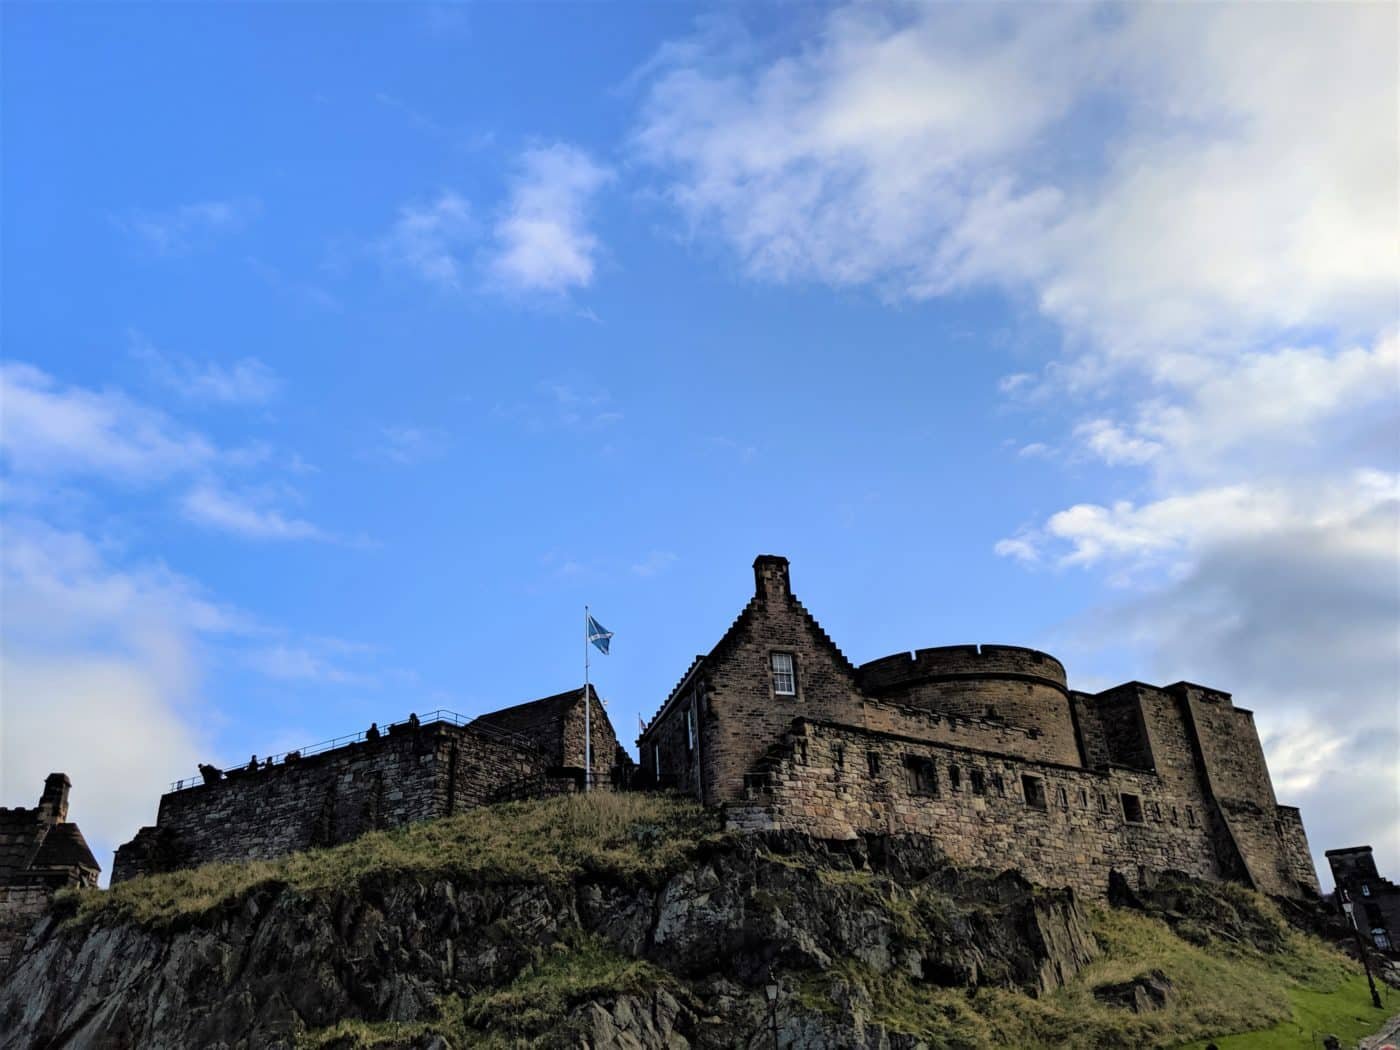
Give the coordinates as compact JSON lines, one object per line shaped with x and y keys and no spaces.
{"x":1369,"y":901}
{"x":985,"y":748}
{"x":40,"y":854}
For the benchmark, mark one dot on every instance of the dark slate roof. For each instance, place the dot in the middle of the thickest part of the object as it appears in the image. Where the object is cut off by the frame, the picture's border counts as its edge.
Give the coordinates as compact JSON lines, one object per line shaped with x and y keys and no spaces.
{"x":19,"y":832}
{"x":65,"y":847}
{"x":540,"y":721}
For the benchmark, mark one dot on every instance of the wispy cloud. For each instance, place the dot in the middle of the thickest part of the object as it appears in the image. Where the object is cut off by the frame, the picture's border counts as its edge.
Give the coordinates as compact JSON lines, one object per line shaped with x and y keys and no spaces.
{"x":246,"y":381}
{"x":50,"y":429}
{"x":50,"y":433}
{"x":179,"y":229}
{"x":586,"y":409}
{"x":404,"y":444}
{"x":543,"y":240}
{"x":654,"y":564}
{"x":243,"y":515}
{"x":304,"y":663}
{"x":427,"y":239}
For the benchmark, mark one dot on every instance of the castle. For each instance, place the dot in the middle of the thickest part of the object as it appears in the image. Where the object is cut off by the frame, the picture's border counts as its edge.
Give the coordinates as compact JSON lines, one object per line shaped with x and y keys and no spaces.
{"x":984,"y":748}
{"x":40,"y":853}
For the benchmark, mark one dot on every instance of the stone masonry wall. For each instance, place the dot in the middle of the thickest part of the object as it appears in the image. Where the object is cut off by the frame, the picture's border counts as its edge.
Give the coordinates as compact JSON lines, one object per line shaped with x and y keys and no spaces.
{"x":1232,"y":763}
{"x":827,"y":786}
{"x":1023,"y":687}
{"x":19,"y":907}
{"x":668,"y":751}
{"x":1296,"y":852}
{"x":604,"y":740}
{"x":406,"y":776}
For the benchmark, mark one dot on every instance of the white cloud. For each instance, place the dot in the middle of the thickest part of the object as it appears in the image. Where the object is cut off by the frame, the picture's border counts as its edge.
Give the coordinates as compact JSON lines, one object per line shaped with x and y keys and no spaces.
{"x":97,"y":670}
{"x":49,"y":429}
{"x":916,"y":152}
{"x":427,"y":240}
{"x":1113,"y":445}
{"x":246,"y":381}
{"x":177,"y":230}
{"x":543,"y":243}
{"x":242,"y":515}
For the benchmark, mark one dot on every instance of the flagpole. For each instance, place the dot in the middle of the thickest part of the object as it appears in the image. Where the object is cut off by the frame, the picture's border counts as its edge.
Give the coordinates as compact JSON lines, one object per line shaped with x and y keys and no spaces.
{"x":587,"y":712}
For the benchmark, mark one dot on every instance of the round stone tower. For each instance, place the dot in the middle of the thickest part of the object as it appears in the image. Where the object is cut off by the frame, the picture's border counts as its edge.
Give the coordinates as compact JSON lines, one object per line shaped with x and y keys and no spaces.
{"x":1021,"y":687}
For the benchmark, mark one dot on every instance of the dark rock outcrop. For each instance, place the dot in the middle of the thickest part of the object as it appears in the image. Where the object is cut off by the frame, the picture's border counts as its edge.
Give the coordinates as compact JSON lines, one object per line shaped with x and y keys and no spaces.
{"x":699,"y":946}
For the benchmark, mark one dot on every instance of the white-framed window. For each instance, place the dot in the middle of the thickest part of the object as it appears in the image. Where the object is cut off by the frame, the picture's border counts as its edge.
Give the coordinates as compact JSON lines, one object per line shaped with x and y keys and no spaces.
{"x":690,"y":729}
{"x":784,"y":674}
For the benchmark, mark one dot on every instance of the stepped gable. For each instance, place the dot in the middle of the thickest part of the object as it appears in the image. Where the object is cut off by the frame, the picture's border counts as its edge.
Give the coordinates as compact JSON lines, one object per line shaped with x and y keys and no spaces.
{"x":731,"y":637}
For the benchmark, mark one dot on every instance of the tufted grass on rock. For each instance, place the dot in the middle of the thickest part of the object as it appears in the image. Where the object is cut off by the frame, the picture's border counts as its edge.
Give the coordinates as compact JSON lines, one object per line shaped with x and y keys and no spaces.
{"x":538,"y":1001}
{"x":1224,"y":985}
{"x":633,"y":836}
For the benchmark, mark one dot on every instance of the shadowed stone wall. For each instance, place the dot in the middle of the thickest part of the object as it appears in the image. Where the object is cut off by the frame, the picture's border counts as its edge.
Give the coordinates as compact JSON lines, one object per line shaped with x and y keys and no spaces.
{"x":407,"y":775}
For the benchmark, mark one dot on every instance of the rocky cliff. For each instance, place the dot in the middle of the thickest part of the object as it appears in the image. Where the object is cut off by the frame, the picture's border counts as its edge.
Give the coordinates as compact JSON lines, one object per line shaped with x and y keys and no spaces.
{"x":595,"y":923}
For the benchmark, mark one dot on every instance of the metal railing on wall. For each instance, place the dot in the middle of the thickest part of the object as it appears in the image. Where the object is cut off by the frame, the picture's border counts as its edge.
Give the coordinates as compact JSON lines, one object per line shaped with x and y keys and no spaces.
{"x":440,"y":716}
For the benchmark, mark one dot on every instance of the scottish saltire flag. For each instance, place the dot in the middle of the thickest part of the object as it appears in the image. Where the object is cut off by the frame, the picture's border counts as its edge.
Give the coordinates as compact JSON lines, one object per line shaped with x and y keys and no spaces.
{"x":599,"y":635}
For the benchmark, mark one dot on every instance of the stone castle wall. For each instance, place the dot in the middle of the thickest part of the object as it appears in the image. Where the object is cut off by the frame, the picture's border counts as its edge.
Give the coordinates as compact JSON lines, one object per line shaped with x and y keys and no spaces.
{"x":19,"y":907}
{"x":1072,"y":831}
{"x":1023,"y":687}
{"x":405,"y":776}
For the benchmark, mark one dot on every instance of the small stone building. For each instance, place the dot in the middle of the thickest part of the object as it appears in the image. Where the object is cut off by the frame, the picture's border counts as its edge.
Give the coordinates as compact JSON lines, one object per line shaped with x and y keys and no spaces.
{"x":410,"y":771}
{"x":1370,"y":902}
{"x":40,"y":853}
{"x":985,"y":748}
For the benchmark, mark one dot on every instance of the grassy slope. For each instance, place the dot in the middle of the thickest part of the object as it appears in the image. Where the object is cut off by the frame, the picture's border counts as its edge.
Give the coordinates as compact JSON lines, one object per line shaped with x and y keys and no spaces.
{"x":635,"y":836}
{"x":1222,"y":986}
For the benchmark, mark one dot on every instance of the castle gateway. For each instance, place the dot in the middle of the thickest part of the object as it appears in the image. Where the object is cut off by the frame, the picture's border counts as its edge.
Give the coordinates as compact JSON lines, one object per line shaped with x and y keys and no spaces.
{"x":984,"y":748}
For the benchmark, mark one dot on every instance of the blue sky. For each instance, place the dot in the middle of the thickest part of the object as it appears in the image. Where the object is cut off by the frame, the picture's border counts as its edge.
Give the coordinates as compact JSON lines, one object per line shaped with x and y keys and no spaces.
{"x":351,"y":349}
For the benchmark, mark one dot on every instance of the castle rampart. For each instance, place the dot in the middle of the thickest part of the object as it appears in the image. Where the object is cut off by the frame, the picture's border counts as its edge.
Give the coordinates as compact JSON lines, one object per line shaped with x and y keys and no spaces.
{"x":1058,"y":825}
{"x":412,"y":771}
{"x":1022,"y":687}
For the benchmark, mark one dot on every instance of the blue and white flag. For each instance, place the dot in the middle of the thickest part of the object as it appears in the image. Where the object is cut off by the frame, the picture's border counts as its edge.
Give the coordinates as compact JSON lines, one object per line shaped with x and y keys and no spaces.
{"x":599,"y":635}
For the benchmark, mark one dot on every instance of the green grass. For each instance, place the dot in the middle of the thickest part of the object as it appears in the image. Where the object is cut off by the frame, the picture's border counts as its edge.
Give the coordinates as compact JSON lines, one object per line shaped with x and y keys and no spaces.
{"x":1344,"y":1011}
{"x":635,"y":837}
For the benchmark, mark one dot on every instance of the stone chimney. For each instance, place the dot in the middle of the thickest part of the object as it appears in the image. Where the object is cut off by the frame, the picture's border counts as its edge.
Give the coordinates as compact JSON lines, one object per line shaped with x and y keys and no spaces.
{"x":53,"y":804}
{"x":770,"y":578}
